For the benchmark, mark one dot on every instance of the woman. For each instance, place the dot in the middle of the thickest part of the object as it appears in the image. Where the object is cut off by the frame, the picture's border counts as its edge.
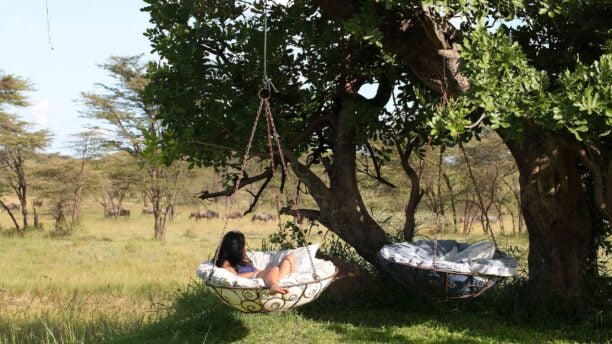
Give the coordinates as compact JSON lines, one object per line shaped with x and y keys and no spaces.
{"x":232,"y":257}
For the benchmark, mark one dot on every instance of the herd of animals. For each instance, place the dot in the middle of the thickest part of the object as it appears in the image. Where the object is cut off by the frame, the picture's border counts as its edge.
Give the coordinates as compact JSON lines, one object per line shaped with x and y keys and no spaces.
{"x":197,"y":215}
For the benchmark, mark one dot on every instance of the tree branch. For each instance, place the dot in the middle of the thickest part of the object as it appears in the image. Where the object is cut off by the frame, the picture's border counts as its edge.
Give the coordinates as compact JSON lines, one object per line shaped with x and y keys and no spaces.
{"x":258,"y":195}
{"x":376,"y":164}
{"x":317,"y":188}
{"x":230,"y":191}
{"x":310,"y":214}
{"x":429,"y":43}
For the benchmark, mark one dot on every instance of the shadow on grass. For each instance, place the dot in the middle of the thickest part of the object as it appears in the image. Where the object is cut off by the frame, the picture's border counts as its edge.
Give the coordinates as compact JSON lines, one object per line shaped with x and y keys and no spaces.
{"x":387,"y":313}
{"x":195,"y":316}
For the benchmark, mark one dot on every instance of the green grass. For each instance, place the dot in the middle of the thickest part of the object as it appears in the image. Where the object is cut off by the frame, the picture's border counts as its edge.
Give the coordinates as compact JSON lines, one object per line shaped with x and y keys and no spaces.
{"x":111,"y":282}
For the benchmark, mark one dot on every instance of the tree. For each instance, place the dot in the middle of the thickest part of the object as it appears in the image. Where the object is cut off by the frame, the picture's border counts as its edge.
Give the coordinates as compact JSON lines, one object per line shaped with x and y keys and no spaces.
{"x":18,"y":143}
{"x":554,"y":120}
{"x":120,"y":173}
{"x":53,"y":179}
{"x":88,"y":146}
{"x":322,"y":52}
{"x":134,"y":128}
{"x":209,"y":122}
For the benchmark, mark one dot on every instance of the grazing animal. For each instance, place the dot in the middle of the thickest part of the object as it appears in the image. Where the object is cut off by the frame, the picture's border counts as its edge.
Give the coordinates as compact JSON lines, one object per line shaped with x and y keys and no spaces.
{"x":147,"y":210}
{"x":204,"y":214}
{"x":263,"y":217}
{"x":234,"y":215}
{"x":13,"y":206}
{"x":37,"y":202}
{"x":116,"y":212}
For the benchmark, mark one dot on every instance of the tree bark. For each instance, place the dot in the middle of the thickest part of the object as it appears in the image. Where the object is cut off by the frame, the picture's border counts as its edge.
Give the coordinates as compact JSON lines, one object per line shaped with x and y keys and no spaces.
{"x":426,"y":42}
{"x":341,"y":206}
{"x":452,"y":201}
{"x":555,"y":211}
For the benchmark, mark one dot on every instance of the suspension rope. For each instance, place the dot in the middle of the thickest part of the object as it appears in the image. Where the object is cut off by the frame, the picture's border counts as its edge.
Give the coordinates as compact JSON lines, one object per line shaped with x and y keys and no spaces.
{"x":273,"y":134}
{"x":272,"y":129}
{"x":437,"y":223}
{"x":48,"y":25}
{"x":267,"y":82}
{"x":272,"y":137}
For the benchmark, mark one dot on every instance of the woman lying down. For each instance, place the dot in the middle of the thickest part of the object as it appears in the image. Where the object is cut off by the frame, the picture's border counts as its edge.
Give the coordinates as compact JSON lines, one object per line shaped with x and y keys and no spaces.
{"x":232,"y":257}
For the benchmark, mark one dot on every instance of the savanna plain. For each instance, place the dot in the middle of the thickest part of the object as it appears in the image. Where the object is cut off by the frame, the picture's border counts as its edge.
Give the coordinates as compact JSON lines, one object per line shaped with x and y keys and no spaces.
{"x":109,"y":281}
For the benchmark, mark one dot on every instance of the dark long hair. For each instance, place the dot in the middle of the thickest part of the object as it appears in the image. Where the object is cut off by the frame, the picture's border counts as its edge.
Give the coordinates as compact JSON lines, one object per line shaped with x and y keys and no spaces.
{"x":232,"y":250}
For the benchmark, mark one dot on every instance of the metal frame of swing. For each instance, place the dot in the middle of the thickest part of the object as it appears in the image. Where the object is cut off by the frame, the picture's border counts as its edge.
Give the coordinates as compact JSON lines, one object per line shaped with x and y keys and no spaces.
{"x":259,"y":299}
{"x":433,"y":274}
{"x":249,"y":296}
{"x":403,"y":273}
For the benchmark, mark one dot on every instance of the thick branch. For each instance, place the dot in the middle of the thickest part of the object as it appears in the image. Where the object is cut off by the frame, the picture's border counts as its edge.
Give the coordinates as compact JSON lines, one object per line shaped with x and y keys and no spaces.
{"x":383,"y":93}
{"x":310,"y":214}
{"x":428,"y":42}
{"x":230,"y":190}
{"x":318,"y":190}
{"x":376,"y":164}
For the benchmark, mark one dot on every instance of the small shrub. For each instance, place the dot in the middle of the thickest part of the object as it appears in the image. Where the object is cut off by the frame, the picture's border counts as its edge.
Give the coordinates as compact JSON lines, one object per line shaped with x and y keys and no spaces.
{"x":190,"y":234}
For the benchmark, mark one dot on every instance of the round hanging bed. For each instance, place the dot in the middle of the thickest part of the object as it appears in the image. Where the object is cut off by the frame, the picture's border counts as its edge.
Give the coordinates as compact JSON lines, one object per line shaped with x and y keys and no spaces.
{"x":446,"y":268}
{"x":250,"y":295}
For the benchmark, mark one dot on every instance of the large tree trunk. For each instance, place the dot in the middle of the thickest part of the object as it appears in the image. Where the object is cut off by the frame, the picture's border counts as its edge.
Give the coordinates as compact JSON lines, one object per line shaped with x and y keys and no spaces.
{"x":342,"y":209}
{"x":556,"y":215}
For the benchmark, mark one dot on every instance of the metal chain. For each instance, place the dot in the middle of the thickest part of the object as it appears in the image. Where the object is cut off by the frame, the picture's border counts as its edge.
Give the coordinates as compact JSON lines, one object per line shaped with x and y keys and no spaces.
{"x":230,"y":200}
{"x":270,"y":122}
{"x":438,"y":212}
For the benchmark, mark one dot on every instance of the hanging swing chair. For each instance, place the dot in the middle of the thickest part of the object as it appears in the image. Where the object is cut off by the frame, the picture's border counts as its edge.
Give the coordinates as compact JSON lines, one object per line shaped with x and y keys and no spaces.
{"x":310,"y":278}
{"x":250,"y":295}
{"x":446,"y":268}
{"x":311,"y":275}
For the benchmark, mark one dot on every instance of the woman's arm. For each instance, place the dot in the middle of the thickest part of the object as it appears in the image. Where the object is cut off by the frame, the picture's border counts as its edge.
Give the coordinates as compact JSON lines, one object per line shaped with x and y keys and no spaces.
{"x":227,"y":266}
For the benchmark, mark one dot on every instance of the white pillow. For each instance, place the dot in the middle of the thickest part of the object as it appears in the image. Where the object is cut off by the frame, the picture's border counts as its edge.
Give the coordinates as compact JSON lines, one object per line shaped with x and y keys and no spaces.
{"x":483,"y":249}
{"x":302,"y":261}
{"x":262,"y":260}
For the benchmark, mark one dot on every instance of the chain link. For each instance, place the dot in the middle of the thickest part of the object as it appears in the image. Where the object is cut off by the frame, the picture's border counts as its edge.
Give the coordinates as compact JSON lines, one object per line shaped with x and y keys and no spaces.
{"x":275,"y":136}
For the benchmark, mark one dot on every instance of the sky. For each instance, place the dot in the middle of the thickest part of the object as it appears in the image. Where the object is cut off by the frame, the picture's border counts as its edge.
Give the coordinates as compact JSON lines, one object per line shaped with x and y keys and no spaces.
{"x":84,"y":33}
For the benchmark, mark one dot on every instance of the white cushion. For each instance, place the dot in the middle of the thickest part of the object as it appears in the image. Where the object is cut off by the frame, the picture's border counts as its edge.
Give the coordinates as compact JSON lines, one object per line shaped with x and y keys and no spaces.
{"x":446,"y":255}
{"x":302,"y":274}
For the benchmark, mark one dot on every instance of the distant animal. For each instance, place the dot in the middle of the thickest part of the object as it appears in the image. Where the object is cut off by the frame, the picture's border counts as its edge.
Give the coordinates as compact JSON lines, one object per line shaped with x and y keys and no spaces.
{"x":117,"y":212}
{"x":204,"y":214}
{"x":147,"y":210}
{"x":263,"y":217}
{"x":234,"y":215}
{"x":13,"y":206}
{"x":37,"y":203}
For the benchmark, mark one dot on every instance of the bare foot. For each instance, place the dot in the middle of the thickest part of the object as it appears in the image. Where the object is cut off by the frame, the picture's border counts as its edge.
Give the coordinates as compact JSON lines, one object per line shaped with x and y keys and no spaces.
{"x":277,"y":289}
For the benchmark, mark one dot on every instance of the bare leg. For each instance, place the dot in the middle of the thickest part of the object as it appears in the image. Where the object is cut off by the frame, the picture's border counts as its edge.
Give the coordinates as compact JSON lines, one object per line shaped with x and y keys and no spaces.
{"x":287,"y":266}
{"x":272,"y":275}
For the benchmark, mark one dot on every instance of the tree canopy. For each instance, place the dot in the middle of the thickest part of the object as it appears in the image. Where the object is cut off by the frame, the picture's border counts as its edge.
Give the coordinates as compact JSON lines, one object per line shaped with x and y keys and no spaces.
{"x":536,"y":72}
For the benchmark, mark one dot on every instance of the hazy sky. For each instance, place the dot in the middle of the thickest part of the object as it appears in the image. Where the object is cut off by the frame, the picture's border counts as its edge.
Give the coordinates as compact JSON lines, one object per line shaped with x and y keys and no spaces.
{"x":84,"y":33}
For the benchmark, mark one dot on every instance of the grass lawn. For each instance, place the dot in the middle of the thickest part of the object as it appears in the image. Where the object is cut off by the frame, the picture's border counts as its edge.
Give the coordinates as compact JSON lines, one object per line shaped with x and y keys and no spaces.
{"x":111,"y":282}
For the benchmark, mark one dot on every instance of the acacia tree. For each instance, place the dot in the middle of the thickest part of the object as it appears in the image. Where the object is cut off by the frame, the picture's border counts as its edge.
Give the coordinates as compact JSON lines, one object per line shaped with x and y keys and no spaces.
{"x":88,"y":146}
{"x":18,"y":143}
{"x":135,"y":129}
{"x":54,"y":179}
{"x":323,"y":51}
